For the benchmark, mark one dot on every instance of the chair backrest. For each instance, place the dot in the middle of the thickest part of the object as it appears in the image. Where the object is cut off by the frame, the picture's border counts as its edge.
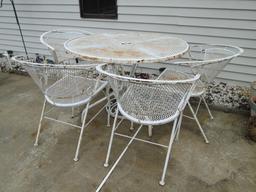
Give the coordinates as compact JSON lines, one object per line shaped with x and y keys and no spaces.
{"x":209,"y":60}
{"x":54,"y":40}
{"x":62,"y":84}
{"x":147,"y":101}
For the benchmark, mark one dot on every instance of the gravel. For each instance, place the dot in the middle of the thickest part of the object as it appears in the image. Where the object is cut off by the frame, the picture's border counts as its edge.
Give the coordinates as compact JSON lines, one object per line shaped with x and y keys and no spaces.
{"x":231,"y":97}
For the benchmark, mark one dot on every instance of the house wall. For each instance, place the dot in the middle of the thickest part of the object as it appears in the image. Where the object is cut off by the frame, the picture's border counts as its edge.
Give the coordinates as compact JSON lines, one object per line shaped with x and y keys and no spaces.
{"x":197,"y":21}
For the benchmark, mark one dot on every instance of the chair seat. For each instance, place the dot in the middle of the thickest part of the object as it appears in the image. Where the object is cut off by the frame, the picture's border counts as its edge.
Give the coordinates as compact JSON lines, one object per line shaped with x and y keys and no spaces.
{"x":147,"y":106}
{"x":73,"y":91}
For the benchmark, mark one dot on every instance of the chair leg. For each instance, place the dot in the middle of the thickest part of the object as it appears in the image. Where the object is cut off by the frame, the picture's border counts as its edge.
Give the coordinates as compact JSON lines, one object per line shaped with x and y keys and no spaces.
{"x":150,"y":129}
{"x":162,"y":181}
{"x":111,"y":140}
{"x":40,"y":124}
{"x":73,"y":112}
{"x":131,"y":127}
{"x":199,"y":125}
{"x":81,"y":132}
{"x":207,"y":107}
{"x":108,"y":120}
{"x":178,"y":126}
{"x":198,"y":105}
{"x":118,"y":159}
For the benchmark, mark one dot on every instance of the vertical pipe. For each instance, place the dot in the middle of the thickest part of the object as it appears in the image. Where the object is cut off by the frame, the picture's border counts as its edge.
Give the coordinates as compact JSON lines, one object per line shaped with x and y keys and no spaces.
{"x":21,"y":34}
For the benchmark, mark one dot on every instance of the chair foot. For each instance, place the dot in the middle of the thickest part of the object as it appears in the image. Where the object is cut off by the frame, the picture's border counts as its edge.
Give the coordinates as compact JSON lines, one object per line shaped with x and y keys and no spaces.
{"x":73,"y":113}
{"x":150,"y":127}
{"x":108,"y":120}
{"x":35,"y":144}
{"x":106,"y":164}
{"x":207,"y":142}
{"x":131,"y":127}
{"x":76,"y":159}
{"x":162,"y":183}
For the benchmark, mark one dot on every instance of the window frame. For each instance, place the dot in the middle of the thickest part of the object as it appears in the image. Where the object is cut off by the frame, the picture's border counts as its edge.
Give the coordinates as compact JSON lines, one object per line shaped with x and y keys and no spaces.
{"x":85,"y":15}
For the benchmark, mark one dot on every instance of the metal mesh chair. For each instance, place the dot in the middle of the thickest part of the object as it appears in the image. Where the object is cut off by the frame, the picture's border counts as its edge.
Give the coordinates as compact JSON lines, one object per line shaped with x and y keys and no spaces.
{"x":168,"y":74}
{"x":210,"y":60}
{"x":207,"y":60}
{"x":65,"y":86}
{"x":54,"y":40}
{"x":146,"y":102}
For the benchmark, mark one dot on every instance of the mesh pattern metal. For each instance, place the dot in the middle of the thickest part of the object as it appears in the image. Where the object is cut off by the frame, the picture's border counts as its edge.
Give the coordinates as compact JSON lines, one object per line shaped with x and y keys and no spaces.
{"x":211,"y":59}
{"x":177,"y":75}
{"x":209,"y":71}
{"x":207,"y":60}
{"x":147,"y":101}
{"x":63,"y":85}
{"x":55,"y":40}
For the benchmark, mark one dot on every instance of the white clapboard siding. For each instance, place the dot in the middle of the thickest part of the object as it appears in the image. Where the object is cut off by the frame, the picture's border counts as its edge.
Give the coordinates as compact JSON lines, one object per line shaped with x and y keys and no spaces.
{"x":197,"y":21}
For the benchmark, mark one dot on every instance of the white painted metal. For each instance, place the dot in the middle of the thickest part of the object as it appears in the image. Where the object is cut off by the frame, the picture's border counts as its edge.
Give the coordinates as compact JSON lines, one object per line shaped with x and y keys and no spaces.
{"x":111,"y":140}
{"x":162,"y":181}
{"x":150,"y":129}
{"x":179,"y":125}
{"x":198,"y":124}
{"x":146,"y":102}
{"x":65,"y":85}
{"x":40,"y":124}
{"x":119,"y":158}
{"x":81,"y":132}
{"x":129,"y":48}
{"x":208,"y":61}
{"x":207,"y":107}
{"x":54,"y":40}
{"x":142,"y":140}
{"x":62,"y":122}
{"x":108,"y":104}
{"x":131,"y":127}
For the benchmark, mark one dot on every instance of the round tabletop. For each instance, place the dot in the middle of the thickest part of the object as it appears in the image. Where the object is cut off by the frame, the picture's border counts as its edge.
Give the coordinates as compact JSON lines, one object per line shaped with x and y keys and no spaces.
{"x":127,"y":48}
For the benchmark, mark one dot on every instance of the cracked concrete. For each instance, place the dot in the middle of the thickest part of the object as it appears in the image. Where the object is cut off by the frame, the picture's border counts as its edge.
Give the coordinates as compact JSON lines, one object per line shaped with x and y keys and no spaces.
{"x":228,"y":163}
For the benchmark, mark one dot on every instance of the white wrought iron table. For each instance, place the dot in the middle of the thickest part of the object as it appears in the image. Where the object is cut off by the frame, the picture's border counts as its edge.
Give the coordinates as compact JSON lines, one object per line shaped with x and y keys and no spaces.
{"x":130,"y":48}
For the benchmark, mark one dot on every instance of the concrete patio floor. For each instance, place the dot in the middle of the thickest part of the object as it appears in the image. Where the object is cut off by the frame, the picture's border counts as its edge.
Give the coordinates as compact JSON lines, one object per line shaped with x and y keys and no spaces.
{"x":228,"y":163}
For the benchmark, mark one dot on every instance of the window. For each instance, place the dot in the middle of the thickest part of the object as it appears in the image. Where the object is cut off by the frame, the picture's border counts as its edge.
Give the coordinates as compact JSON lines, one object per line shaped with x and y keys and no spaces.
{"x":102,"y":9}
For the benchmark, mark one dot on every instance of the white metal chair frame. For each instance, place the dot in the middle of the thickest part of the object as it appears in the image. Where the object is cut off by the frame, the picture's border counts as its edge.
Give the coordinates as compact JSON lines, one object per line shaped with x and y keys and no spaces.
{"x":66,"y":86}
{"x":125,"y":88}
{"x":54,"y":40}
{"x":170,"y":74}
{"x":198,"y":65}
